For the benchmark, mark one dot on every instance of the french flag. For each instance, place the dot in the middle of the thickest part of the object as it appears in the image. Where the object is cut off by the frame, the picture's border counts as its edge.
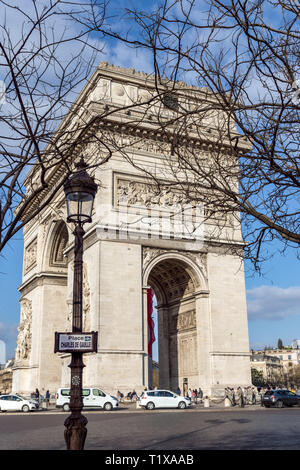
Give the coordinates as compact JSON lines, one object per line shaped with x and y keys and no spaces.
{"x":151,"y":335}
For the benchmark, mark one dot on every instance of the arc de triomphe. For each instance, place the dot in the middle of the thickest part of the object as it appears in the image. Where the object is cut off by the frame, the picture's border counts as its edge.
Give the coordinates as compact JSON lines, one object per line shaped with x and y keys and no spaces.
{"x":199,"y":287}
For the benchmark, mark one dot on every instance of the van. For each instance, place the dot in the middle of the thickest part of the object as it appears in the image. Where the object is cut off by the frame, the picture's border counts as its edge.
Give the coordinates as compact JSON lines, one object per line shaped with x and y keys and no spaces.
{"x":92,"y":398}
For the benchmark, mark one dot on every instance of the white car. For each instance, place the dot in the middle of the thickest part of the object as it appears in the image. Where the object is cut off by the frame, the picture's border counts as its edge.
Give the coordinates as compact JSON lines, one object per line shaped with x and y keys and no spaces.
{"x":151,"y":399}
{"x":17,"y":403}
{"x":92,"y":398}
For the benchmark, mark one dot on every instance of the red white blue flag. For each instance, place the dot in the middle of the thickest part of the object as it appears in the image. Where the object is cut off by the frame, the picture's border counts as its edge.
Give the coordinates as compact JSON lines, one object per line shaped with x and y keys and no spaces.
{"x":151,"y":335}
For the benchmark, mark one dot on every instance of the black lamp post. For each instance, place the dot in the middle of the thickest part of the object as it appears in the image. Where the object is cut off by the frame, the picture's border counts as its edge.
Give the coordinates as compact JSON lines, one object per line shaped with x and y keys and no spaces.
{"x":80,"y":190}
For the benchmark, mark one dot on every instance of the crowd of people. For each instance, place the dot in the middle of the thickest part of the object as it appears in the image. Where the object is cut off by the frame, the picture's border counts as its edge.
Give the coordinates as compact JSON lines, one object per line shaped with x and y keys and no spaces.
{"x":242,"y":396}
{"x":249,"y":395}
{"x":132,"y":396}
{"x":195,"y":395}
{"x":40,"y":397}
{"x":239,"y":396}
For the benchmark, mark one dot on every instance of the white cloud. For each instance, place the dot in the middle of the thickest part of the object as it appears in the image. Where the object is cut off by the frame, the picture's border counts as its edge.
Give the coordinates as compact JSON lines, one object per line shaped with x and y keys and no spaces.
{"x":273,"y":303}
{"x":125,"y":56}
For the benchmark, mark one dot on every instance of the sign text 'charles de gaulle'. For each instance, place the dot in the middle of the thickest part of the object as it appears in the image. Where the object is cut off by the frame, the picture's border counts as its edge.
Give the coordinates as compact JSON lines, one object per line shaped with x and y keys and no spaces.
{"x":76,"y":342}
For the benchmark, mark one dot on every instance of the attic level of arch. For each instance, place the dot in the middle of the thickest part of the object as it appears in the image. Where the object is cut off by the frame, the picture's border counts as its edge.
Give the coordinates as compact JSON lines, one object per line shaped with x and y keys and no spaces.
{"x":130,"y":134}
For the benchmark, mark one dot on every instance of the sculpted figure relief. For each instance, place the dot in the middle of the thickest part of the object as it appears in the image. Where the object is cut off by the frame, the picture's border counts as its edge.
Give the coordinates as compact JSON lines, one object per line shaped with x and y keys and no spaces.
{"x":102,"y":91}
{"x":30,"y":256}
{"x":24,"y":331}
{"x":145,"y":194}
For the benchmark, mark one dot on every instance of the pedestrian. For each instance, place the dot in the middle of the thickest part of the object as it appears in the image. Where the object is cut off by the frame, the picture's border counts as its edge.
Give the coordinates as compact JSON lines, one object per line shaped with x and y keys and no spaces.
{"x":37,"y":393}
{"x":47,"y":397}
{"x":200,"y":395}
{"x":240,"y":397}
{"x":262,"y":393}
{"x":248,"y":396}
{"x":232,"y":396}
{"x":253,"y":401}
{"x":190,"y":394}
{"x":178,"y":391}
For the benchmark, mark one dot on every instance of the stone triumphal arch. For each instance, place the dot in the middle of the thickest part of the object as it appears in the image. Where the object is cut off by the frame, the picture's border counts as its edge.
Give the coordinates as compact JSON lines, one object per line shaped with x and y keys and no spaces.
{"x":198,"y":282}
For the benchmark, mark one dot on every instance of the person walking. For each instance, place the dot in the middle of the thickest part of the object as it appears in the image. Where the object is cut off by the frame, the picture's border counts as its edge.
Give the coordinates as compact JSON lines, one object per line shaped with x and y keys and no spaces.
{"x":178,"y":391}
{"x":47,"y":398}
{"x":253,"y":402}
{"x":200,"y":395}
{"x":240,"y":396}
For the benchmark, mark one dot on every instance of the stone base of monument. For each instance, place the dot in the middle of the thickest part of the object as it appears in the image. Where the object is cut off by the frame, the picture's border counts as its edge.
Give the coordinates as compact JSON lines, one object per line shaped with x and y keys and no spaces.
{"x":227,"y":403}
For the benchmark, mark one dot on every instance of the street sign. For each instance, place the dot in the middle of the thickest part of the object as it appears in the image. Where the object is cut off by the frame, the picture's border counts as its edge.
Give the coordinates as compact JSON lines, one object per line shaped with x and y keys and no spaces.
{"x":76,"y":342}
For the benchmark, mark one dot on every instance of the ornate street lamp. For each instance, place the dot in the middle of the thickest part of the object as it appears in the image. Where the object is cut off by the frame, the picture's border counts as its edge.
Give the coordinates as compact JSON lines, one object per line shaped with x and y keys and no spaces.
{"x":80,"y":190}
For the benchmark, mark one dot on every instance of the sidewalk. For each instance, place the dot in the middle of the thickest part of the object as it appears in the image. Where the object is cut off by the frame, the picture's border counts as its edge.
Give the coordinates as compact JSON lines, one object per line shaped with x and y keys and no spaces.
{"x":131,"y":406}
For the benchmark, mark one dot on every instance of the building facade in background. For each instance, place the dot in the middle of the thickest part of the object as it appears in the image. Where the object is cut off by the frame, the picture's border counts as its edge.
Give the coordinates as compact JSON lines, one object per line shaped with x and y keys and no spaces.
{"x":266,"y":369}
{"x":290,"y":360}
{"x":6,"y":374}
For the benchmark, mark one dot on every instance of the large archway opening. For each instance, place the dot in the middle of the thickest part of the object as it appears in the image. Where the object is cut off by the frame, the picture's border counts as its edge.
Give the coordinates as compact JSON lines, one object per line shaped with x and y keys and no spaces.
{"x":175,"y":284}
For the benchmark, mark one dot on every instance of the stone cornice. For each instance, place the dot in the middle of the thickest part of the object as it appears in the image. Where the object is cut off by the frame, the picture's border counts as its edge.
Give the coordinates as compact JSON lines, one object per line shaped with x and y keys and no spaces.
{"x":41,"y":279}
{"x":230,"y":353}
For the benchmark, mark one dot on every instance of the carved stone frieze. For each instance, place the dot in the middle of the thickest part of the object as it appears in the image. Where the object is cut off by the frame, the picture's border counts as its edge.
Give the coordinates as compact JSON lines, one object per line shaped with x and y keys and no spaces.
{"x":30,"y":257}
{"x":150,"y":253}
{"x":138,"y":193}
{"x":127,"y":139}
{"x":183,"y":322}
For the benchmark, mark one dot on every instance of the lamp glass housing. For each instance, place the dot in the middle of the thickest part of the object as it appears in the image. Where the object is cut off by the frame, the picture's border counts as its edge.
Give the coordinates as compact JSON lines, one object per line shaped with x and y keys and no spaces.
{"x":79,"y":207}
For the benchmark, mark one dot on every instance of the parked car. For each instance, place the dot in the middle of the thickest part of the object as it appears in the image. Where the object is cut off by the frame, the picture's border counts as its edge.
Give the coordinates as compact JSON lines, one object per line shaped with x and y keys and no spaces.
{"x":17,"y":403}
{"x":92,"y":398}
{"x":280,"y":398}
{"x":151,"y":399}
{"x":30,"y":398}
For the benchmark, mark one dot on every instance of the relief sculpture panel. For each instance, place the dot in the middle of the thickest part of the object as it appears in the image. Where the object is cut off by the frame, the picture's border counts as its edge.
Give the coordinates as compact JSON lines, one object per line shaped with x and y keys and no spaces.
{"x":24,"y":331}
{"x":183,"y":321}
{"x":136,"y":193}
{"x":30,"y":257}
